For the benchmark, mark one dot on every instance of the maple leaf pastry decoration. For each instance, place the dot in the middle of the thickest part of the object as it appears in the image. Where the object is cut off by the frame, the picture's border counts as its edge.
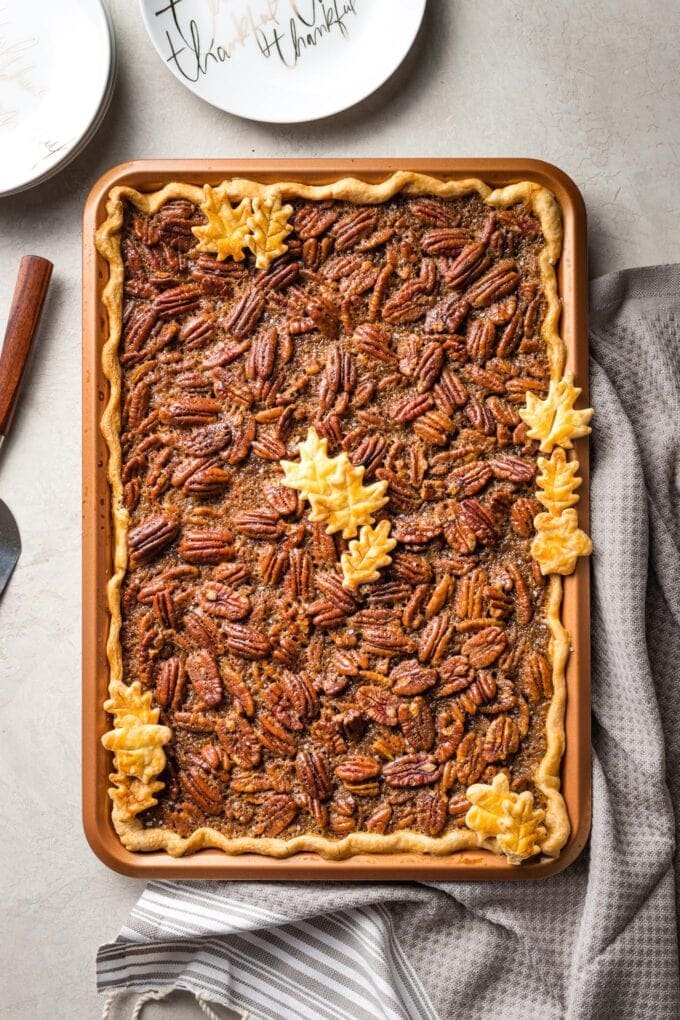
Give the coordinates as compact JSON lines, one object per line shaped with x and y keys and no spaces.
{"x":333,"y":487}
{"x":559,"y":542}
{"x":554,"y":421}
{"x":224,"y":235}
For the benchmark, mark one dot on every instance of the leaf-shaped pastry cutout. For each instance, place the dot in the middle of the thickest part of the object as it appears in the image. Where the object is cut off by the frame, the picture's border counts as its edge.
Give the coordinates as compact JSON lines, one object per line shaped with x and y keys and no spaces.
{"x":367,"y":555}
{"x":131,"y":797}
{"x":129,"y":701}
{"x":225,"y":232}
{"x":498,"y":812}
{"x":559,"y":542}
{"x":333,"y":487}
{"x":350,"y":504}
{"x":267,"y":227}
{"x":137,"y":742}
{"x":554,"y":421}
{"x":557,"y":482}
{"x":311,"y":474}
{"x":523,"y":832}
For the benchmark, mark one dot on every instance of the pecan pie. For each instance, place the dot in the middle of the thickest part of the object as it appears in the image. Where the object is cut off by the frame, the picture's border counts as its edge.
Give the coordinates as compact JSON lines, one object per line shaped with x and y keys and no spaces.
{"x":342,"y":497}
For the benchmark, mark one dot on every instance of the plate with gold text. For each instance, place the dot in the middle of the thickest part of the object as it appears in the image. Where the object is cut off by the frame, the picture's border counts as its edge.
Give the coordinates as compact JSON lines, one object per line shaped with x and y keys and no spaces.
{"x":282,"y":61}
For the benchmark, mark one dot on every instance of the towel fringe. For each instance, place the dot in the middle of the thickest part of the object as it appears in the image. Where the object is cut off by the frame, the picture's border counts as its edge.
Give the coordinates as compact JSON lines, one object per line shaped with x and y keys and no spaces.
{"x":153,"y":996}
{"x":204,"y":1003}
{"x":157,"y":995}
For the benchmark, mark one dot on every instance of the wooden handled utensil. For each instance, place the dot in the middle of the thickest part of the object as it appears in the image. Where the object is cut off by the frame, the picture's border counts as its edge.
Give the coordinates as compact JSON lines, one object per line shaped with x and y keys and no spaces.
{"x":24,"y":315}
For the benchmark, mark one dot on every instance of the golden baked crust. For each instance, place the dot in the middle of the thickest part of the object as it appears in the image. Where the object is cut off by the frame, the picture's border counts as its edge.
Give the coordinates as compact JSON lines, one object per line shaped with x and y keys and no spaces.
{"x":245,"y":214}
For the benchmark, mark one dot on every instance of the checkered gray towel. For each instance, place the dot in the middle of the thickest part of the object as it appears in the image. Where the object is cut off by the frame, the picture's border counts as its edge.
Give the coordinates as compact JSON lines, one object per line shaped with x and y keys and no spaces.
{"x":598,"y":940}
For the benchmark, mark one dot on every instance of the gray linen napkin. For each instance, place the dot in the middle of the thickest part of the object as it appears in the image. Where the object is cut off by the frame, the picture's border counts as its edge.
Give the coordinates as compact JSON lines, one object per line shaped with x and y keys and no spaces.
{"x":599,"y":939}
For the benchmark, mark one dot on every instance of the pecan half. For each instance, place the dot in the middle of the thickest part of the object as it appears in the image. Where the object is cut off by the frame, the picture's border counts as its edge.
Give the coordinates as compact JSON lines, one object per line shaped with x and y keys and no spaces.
{"x":432,"y":812}
{"x":152,"y":537}
{"x":209,"y":546}
{"x":434,"y":213}
{"x":410,"y":408}
{"x":479,"y":520}
{"x":300,"y":692}
{"x":238,"y":690}
{"x":430,"y":366}
{"x":435,"y":638}
{"x":374,"y":341}
{"x":357,"y":768}
{"x":204,"y":674}
{"x":220,"y":600}
{"x":274,"y":736}
{"x":238,"y":739}
{"x":169,"y":681}
{"x":458,"y":270}
{"x":417,"y":724}
{"x":246,"y":313}
{"x":203,"y":790}
{"x":378,"y":704}
{"x":379,"y":820}
{"x":409,"y":677}
{"x":480,"y":340}
{"x":313,"y":774}
{"x":522,"y":516}
{"x":299,"y":581}
{"x":412,"y":770}
{"x":469,"y":479}
{"x":246,"y":642}
{"x":262,"y":524}
{"x":501,"y":739}
{"x":470,"y":762}
{"x":434,"y":427}
{"x":535,"y":677}
{"x":512,"y":469}
{"x":209,"y":440}
{"x":177,"y":300}
{"x":276,"y":814}
{"x":484,"y":647}
{"x":190,"y":411}
{"x":444,"y":240}
{"x":495,"y":284}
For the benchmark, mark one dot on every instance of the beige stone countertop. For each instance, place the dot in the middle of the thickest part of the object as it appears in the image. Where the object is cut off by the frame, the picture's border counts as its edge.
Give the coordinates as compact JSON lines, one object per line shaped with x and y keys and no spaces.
{"x":590,"y":86}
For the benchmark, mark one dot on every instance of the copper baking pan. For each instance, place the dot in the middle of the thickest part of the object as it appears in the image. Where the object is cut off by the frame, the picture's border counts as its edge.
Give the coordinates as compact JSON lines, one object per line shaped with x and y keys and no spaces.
{"x":150,"y":175}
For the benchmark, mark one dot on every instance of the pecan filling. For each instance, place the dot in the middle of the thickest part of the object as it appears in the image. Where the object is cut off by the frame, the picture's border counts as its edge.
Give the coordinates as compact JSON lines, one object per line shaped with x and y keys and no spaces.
{"x":407,"y":336}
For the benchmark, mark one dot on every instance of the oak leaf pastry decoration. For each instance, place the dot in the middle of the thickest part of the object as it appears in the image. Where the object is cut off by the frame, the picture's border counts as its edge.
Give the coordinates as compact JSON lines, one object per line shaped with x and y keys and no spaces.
{"x":333,"y":487}
{"x":225,"y":232}
{"x":511,"y":818}
{"x":557,"y":482}
{"x":554,"y":421}
{"x":130,"y":797}
{"x":137,"y":742}
{"x":367,"y":555}
{"x":311,"y":474}
{"x":559,"y":542}
{"x":267,"y":227}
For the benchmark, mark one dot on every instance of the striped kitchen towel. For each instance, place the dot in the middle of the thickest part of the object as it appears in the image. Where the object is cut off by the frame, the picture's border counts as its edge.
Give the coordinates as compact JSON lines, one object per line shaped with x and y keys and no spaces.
{"x":598,"y":940}
{"x":343,"y":965}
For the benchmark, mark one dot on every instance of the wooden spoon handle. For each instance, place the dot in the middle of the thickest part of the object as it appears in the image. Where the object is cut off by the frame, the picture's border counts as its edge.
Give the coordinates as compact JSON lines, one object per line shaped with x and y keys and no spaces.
{"x":24,"y":315}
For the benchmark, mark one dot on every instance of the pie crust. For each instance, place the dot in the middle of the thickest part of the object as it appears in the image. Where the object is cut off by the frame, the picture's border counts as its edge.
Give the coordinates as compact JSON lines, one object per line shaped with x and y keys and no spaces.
{"x":242,"y":216}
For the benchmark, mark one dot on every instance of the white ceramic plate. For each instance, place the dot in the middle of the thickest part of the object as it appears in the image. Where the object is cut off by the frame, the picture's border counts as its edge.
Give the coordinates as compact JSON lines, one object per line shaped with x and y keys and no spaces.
{"x":282,"y":61}
{"x":56,"y":78}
